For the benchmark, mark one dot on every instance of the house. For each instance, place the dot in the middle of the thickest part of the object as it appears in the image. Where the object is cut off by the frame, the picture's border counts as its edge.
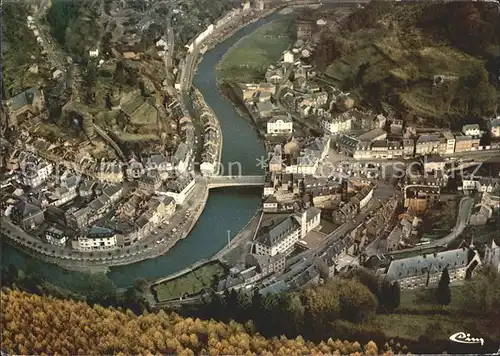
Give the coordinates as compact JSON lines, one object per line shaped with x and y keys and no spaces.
{"x":465,"y":143}
{"x":288,"y":57}
{"x":425,"y":271}
{"x":494,"y":126}
{"x":150,"y":181}
{"x":304,"y":30}
{"x":56,"y":236}
{"x":35,"y":171}
{"x":280,"y":125}
{"x":161,"y":44}
{"x":450,"y":142}
{"x":265,"y":264}
{"x":373,"y":135}
{"x":181,"y":157}
{"x":345,"y":213}
{"x":270,"y":204}
{"x":419,"y":198}
{"x":250,"y":91}
{"x":265,"y":109}
{"x":281,"y":237}
{"x":94,"y":53}
{"x":110,"y":172}
{"x":433,"y":163}
{"x":27,"y":215}
{"x":96,"y":239}
{"x":178,"y":188}
{"x":472,"y":130}
{"x":78,"y":219}
{"x":396,"y":126}
{"x":427,"y":144}
{"x":492,"y":256}
{"x":276,"y":163}
{"x":341,"y":123}
{"x":29,"y":103}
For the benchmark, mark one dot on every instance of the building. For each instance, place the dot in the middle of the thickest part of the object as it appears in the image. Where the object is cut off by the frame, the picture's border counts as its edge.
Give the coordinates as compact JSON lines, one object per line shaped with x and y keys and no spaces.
{"x":492,"y":256}
{"x":110,"y":172}
{"x":288,"y":57}
{"x":178,"y":188}
{"x":373,"y":135}
{"x":280,"y":238}
{"x":472,"y":130}
{"x":466,"y":143}
{"x":26,"y":105}
{"x":56,"y":236}
{"x":96,"y":239}
{"x":27,"y":215}
{"x":494,"y":126}
{"x":181,"y":157}
{"x":304,"y":30}
{"x":425,"y":271}
{"x":250,"y":91}
{"x":450,"y":142}
{"x":265,"y":109}
{"x":427,"y":144}
{"x":265,"y":264}
{"x":433,"y":163}
{"x":280,"y":125}
{"x":341,"y":123}
{"x":35,"y":172}
{"x":345,"y":213}
{"x":94,"y":53}
{"x":408,"y":148}
{"x":419,"y":198}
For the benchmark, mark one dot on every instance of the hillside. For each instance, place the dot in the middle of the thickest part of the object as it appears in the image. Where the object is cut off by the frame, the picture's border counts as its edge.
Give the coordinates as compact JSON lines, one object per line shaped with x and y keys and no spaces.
{"x":392,"y":54}
{"x":33,"y":325}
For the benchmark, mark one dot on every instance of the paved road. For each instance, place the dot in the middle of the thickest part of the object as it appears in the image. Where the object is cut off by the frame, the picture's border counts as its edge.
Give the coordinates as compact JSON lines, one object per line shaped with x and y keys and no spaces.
{"x":182,"y":221}
{"x":465,"y":208}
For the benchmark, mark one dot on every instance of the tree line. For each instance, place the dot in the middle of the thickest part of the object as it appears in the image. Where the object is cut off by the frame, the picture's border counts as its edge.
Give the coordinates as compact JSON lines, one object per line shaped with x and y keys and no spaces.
{"x":32,"y":324}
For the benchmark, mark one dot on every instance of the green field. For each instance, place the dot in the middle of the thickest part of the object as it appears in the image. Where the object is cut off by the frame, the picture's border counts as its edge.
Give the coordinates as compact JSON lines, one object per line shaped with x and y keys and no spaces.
{"x":250,"y":57}
{"x":190,"y":283}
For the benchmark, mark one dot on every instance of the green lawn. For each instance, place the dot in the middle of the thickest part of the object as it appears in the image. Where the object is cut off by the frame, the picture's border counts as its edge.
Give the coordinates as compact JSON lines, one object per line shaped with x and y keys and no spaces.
{"x":250,"y":57}
{"x":190,"y":283}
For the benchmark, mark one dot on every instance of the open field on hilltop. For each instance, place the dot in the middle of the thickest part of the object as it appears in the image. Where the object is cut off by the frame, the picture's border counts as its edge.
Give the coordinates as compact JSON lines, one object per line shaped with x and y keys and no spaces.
{"x":190,"y":283}
{"x":250,"y":57}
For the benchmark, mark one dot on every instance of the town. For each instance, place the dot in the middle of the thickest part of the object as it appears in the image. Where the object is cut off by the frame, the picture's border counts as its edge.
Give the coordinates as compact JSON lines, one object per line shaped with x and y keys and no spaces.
{"x":342,"y":186}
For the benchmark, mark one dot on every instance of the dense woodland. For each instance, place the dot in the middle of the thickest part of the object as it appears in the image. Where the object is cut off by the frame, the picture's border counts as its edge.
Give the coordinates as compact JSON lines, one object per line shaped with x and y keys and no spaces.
{"x":471,"y":28}
{"x":34,"y":325}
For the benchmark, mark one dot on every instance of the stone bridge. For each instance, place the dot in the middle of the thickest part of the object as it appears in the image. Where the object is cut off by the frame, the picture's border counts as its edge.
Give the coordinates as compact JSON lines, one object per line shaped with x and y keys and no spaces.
{"x":234,"y":181}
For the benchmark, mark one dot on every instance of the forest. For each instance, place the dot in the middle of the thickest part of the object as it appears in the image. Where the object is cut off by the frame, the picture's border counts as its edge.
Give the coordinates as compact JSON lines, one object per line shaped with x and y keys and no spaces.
{"x":32,"y":324}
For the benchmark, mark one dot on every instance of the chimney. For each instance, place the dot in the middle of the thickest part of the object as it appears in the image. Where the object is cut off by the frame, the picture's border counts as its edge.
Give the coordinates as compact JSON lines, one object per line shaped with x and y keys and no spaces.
{"x":303,"y":224}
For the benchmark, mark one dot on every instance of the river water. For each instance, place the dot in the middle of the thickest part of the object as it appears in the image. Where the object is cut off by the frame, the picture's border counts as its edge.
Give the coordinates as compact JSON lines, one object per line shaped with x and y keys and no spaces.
{"x":226,"y":209}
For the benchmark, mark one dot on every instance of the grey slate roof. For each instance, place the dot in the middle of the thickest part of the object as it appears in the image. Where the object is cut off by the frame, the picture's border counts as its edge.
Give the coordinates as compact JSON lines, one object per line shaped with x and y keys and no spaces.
{"x":25,"y":98}
{"x":415,"y":266}
{"x":278,"y":232}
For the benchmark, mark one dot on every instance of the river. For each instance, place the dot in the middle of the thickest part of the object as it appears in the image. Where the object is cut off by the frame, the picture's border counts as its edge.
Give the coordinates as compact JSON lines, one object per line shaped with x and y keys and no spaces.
{"x":226,"y":209}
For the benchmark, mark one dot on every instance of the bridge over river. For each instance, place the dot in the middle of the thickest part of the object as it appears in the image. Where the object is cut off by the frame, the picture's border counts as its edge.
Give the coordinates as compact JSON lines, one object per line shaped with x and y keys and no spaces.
{"x":234,"y":181}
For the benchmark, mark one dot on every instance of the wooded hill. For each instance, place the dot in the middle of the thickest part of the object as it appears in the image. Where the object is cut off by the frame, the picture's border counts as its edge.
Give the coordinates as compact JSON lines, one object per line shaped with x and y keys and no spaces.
{"x":32,"y":324}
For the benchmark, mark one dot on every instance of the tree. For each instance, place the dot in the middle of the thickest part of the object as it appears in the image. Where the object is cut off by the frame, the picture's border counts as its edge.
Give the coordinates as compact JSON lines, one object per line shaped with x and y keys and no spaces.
{"x":443,"y":290}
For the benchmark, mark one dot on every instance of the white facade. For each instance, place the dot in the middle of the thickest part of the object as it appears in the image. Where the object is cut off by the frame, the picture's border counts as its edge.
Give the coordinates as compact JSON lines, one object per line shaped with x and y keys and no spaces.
{"x":494,"y":127}
{"x":207,"y":168}
{"x":288,"y":57}
{"x":35,"y":176}
{"x":366,"y":199}
{"x":471,"y":130}
{"x":56,"y":237}
{"x":181,"y":196}
{"x":96,"y":243}
{"x":283,"y":246}
{"x":337,"y":125}
{"x":94,"y":53}
{"x":161,"y":43}
{"x":279,"y":126}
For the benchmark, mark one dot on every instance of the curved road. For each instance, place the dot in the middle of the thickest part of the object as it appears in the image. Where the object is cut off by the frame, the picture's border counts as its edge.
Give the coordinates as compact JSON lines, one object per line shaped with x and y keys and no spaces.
{"x":464,"y":211}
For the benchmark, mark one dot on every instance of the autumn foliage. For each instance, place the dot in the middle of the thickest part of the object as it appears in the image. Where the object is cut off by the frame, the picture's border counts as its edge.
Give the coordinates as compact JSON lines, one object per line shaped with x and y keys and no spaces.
{"x":36,"y":325}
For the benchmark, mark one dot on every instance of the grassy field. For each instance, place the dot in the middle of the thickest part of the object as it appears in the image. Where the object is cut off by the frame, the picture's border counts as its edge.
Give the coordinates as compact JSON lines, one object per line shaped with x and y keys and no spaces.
{"x":190,"y":283}
{"x":248,"y":60}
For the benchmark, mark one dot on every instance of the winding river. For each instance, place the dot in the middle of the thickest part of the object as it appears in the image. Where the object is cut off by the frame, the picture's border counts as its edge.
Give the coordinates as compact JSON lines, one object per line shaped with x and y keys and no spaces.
{"x":226,"y":209}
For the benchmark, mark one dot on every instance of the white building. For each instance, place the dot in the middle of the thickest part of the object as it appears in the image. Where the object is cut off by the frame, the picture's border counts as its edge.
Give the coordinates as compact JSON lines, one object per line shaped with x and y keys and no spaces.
{"x":161,"y":43}
{"x":494,"y":126}
{"x":280,"y":125}
{"x":179,"y":189}
{"x":34,"y":173}
{"x":281,"y":238}
{"x":471,"y":130}
{"x":288,"y":57}
{"x":94,"y":53}
{"x":337,"y":125}
{"x":246,"y":5}
{"x":492,"y":256}
{"x":96,"y":239}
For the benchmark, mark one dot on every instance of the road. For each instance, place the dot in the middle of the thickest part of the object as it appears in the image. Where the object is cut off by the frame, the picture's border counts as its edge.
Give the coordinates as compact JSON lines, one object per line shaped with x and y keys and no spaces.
{"x":464,"y":211}
{"x":157,"y":243}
